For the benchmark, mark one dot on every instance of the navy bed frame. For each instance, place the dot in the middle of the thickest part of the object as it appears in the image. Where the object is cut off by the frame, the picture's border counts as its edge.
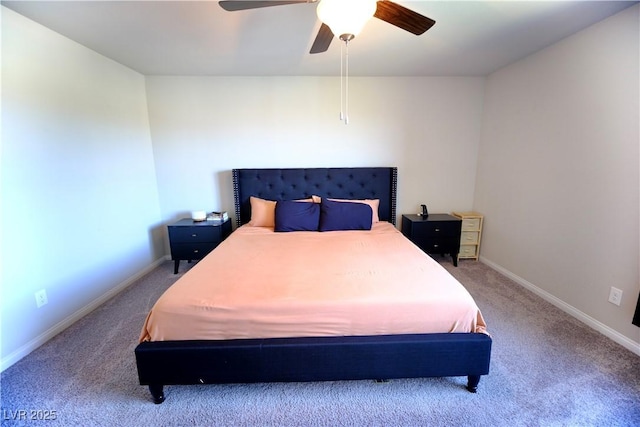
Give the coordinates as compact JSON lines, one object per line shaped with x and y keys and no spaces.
{"x":384,"y":357}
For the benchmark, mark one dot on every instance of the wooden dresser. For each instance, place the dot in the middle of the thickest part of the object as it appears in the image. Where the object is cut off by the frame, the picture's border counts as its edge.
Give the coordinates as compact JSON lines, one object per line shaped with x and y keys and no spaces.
{"x":471,"y":234}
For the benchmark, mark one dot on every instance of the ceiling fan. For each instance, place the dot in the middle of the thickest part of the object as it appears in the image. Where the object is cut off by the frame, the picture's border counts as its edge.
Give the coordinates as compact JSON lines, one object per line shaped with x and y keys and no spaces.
{"x":345,"y":23}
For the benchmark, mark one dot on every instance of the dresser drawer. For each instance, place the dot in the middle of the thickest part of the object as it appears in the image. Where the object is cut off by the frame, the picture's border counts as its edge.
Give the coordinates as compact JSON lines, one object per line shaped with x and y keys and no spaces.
{"x":469,"y":237}
{"x":471,"y":224}
{"x":468,"y":251}
{"x":191,"y":250}
{"x":183,"y":234}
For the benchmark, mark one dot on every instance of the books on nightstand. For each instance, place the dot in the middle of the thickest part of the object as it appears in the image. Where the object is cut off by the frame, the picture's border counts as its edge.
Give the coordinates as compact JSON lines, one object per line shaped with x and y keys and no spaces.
{"x":217,"y":216}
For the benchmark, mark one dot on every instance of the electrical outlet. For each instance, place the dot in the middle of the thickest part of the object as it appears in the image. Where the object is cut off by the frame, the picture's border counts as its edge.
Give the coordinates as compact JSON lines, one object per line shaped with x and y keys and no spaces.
{"x":41,"y":298}
{"x":615,"y":296}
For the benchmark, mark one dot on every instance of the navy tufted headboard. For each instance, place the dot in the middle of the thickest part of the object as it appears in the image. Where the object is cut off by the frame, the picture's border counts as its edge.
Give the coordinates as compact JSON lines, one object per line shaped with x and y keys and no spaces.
{"x":340,"y":183}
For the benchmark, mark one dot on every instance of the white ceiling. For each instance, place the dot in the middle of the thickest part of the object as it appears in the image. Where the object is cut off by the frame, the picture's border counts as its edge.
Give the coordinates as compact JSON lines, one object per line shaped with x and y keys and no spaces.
{"x":200,"y":38}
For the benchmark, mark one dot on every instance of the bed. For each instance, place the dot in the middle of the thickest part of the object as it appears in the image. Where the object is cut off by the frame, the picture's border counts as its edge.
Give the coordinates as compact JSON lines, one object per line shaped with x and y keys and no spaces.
{"x":252,"y":341}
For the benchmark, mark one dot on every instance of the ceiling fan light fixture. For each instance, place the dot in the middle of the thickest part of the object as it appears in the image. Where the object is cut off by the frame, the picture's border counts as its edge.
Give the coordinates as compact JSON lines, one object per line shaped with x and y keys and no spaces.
{"x":346,"y":18}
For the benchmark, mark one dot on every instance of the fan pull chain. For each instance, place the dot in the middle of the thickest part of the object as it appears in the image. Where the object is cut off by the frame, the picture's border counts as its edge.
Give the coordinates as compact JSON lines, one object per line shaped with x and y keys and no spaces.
{"x":344,"y":82}
{"x":346,"y":90}
{"x":341,"y":88}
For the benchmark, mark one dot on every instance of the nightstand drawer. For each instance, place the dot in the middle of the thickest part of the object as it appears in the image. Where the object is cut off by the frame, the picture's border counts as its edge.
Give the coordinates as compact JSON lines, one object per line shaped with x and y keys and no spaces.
{"x":191,"y":250}
{"x":183,"y":234}
{"x":436,"y":245}
{"x":435,"y":229}
{"x":469,"y":237}
{"x":471,"y":224}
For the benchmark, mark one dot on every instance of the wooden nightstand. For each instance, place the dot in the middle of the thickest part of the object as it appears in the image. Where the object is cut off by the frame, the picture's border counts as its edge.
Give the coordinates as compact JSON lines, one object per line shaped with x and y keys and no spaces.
{"x":435,"y":234}
{"x":193,"y":240}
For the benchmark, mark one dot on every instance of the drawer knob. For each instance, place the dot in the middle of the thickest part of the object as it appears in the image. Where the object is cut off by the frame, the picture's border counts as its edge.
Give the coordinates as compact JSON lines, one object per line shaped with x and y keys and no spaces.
{"x":195,"y":251}
{"x":437,"y":229}
{"x":435,"y":246}
{"x":194,"y":235}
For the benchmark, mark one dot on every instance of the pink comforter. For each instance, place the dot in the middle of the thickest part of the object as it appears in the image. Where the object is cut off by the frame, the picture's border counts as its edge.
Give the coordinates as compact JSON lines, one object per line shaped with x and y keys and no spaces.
{"x":263,"y":284}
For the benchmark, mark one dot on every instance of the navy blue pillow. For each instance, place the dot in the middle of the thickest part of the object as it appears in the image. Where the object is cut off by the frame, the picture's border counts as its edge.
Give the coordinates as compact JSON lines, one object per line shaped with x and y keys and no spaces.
{"x":344,"y":216}
{"x":297,"y":216}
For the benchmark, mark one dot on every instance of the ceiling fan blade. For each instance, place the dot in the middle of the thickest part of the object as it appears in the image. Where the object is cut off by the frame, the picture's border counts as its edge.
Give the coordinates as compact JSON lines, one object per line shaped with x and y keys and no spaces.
{"x":402,"y":17}
{"x":323,"y":39}
{"x":234,"y":5}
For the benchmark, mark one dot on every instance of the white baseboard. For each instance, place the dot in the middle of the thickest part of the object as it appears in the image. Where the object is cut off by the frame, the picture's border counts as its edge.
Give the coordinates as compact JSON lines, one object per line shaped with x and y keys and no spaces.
{"x":24,"y":350}
{"x":569,"y":309}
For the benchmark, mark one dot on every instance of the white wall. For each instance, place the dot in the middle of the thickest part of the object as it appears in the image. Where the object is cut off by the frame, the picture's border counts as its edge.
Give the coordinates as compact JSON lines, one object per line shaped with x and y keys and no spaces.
{"x":79,"y":195}
{"x":202,"y":127}
{"x":558,"y":173}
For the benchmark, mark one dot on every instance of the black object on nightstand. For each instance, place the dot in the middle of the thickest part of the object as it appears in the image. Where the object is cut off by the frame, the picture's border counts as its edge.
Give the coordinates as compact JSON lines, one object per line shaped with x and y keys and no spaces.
{"x":191,"y":239}
{"x":434,"y":234}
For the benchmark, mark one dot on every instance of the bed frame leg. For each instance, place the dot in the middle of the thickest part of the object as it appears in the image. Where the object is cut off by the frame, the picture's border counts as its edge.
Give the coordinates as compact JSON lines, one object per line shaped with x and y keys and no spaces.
{"x":157,"y":393}
{"x":472,"y":383}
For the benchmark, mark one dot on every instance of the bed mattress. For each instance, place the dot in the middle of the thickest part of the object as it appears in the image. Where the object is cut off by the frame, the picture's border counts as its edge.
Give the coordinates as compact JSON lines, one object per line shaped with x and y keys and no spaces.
{"x":264,"y":284}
